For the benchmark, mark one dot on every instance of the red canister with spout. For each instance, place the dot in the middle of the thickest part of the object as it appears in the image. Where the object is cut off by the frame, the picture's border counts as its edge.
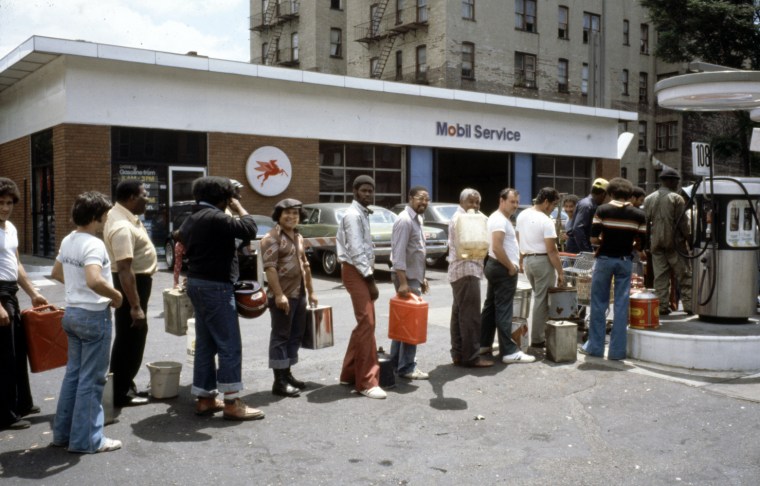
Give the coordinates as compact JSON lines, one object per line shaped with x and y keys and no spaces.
{"x":644,"y":310}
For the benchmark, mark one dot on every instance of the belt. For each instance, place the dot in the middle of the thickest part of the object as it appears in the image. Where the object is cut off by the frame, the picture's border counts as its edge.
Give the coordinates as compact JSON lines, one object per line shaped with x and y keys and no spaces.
{"x":535,"y":254}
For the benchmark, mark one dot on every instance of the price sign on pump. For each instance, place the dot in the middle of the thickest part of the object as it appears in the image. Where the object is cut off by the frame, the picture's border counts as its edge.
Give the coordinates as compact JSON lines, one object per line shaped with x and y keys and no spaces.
{"x":701,"y":158}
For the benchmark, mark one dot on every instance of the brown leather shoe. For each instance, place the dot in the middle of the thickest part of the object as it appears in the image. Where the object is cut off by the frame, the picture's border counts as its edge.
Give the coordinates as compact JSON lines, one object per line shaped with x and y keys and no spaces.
{"x":480,"y":363}
{"x":208,"y":406}
{"x":237,"y":410}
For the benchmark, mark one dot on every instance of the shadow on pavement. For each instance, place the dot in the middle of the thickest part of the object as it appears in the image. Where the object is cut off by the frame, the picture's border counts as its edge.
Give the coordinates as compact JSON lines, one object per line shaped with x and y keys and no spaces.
{"x":41,"y":463}
{"x":448,"y":372}
{"x":317,"y":393}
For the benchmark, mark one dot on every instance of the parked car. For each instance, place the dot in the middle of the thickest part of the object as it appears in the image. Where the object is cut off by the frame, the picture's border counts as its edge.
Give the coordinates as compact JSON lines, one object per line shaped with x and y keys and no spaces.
{"x":438,"y":215}
{"x":323,"y":219}
{"x":179,"y":212}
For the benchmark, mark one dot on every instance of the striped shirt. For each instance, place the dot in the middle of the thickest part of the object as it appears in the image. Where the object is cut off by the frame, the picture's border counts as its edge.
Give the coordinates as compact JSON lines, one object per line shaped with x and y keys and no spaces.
{"x":618,"y":224}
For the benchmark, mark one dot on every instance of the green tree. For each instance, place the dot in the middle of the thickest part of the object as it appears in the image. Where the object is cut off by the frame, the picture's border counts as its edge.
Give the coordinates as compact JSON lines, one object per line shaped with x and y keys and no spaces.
{"x":723,"y":32}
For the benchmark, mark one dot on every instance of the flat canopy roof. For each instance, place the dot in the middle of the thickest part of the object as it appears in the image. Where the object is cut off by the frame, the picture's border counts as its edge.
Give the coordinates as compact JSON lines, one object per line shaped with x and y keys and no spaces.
{"x":92,"y":65}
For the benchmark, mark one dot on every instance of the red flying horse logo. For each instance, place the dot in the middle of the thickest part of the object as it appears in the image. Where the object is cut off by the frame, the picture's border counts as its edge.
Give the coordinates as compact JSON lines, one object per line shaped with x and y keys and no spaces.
{"x":269,"y":169}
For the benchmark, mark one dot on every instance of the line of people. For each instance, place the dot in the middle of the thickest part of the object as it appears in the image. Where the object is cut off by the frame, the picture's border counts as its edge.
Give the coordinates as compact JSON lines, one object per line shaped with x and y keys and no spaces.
{"x":117,"y":272}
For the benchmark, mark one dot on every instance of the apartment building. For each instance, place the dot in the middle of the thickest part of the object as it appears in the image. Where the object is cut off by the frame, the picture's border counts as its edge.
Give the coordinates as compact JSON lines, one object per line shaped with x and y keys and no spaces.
{"x":582,"y":52}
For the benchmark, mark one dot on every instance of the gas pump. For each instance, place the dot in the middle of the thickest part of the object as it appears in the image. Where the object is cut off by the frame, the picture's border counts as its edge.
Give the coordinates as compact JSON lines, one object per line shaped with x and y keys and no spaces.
{"x":726,"y":245}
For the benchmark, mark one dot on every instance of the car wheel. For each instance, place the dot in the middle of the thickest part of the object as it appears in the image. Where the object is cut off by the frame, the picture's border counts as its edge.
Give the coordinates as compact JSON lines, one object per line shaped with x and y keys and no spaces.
{"x":169,"y":255}
{"x":434,"y":262}
{"x":330,"y":263}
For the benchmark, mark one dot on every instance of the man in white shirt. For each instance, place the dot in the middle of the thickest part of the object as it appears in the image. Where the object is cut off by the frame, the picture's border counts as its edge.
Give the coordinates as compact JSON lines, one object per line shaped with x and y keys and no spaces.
{"x":539,"y":258}
{"x":501,"y":273}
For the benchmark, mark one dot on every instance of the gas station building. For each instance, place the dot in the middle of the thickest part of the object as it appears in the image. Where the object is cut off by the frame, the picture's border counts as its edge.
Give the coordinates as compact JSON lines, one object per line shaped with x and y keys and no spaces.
{"x":77,"y":116}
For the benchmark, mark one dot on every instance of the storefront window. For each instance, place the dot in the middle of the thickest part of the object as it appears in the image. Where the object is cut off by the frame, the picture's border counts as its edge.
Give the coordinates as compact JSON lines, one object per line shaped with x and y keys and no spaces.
{"x":161,"y":160}
{"x":565,"y":174}
{"x":340,"y":164}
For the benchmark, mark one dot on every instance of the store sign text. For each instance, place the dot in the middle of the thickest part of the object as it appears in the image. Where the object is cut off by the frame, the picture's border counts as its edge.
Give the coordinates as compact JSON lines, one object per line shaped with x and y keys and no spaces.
{"x":443,"y":129}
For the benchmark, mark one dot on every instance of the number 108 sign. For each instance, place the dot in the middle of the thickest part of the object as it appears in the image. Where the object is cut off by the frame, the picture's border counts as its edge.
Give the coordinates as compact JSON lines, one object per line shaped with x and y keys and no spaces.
{"x":701,"y":158}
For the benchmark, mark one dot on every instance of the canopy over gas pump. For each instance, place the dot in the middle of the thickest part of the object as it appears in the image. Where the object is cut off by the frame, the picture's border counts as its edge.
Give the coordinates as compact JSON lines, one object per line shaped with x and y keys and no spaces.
{"x":725,"y":224}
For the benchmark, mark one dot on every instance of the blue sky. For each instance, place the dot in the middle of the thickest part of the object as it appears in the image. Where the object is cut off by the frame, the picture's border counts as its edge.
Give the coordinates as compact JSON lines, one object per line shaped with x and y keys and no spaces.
{"x":217,"y":28}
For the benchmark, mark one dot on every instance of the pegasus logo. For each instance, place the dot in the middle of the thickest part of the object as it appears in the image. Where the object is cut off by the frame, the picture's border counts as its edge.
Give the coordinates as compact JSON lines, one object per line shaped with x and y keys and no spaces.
{"x":268,"y":169}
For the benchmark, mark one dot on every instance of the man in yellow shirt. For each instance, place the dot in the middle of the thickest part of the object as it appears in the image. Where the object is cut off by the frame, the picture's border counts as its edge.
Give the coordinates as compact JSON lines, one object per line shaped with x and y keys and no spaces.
{"x":133,"y":263}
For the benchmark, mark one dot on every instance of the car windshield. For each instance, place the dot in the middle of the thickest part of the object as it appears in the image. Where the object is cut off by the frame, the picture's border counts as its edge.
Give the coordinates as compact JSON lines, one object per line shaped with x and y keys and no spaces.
{"x":446,"y":212}
{"x":379,"y":215}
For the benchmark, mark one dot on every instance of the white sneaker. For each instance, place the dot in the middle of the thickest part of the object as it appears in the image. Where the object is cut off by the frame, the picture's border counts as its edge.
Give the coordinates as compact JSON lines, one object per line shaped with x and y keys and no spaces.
{"x":416,"y":375}
{"x":518,"y":357}
{"x":110,"y":445}
{"x":374,"y":392}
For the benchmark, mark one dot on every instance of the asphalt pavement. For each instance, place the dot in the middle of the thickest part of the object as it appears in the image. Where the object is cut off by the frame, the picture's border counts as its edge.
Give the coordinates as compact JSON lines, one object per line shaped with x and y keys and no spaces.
{"x":592,"y":422}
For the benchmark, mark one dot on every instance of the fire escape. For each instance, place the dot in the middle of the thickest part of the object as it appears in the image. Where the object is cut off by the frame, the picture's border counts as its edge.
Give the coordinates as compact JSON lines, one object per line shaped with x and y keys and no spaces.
{"x":269,"y":23}
{"x":381,"y":32}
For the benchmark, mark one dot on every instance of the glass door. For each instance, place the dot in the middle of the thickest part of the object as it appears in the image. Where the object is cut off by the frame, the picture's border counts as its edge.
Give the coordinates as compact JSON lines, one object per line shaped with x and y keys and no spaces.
{"x":181,"y":190}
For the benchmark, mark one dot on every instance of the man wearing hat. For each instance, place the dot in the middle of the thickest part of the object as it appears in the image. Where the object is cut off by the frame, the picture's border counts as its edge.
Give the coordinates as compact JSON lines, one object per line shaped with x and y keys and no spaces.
{"x":579,"y":235}
{"x":354,"y":248}
{"x":663,"y":209}
{"x":289,"y":278}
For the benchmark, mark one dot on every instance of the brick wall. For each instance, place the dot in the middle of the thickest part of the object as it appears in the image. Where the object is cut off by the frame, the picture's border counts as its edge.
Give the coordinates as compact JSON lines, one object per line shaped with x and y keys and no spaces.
{"x":228,"y":155}
{"x":81,"y":162}
{"x":16,"y":164}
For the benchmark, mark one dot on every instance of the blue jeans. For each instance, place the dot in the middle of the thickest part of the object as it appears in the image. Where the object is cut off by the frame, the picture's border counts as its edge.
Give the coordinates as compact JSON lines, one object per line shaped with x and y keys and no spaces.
{"x":79,"y":414}
{"x":497,"y":309}
{"x":402,"y":354}
{"x":217,"y":332}
{"x":605,"y":268}
{"x":287,"y":333}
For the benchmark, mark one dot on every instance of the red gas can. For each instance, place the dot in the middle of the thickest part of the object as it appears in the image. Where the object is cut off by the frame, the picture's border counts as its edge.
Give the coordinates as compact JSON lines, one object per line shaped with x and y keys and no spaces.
{"x":408,"y":319}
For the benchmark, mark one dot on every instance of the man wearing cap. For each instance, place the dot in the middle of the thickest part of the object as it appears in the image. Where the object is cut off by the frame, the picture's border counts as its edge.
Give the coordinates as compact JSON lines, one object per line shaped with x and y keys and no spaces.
{"x":354,"y":250}
{"x":579,"y":235}
{"x":663,"y":209}
{"x":209,"y":236}
{"x":289,"y":279}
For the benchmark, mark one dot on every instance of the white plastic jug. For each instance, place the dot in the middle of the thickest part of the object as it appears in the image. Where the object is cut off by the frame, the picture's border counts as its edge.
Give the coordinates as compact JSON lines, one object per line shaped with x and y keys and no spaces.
{"x":472,"y":235}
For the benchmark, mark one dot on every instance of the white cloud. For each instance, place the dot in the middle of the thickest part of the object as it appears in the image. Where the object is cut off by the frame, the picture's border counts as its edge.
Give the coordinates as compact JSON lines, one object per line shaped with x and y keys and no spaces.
{"x":216,"y":29}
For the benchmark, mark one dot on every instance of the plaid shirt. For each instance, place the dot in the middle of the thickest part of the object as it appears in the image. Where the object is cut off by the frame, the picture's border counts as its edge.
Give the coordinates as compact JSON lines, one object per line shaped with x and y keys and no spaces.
{"x":458,"y":267}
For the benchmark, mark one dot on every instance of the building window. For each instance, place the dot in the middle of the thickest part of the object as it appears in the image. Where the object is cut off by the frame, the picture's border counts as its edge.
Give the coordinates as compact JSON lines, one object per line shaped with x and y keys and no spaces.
{"x":276,"y":48}
{"x":340,"y":164}
{"x":294,"y":46}
{"x":563,"y":16}
{"x":624,"y":172}
{"x":643,"y":88}
{"x":264,"y":49}
{"x":624,"y":81}
{"x":642,"y":136}
{"x":562,"y":67}
{"x":422,"y":11}
{"x":468,"y":9}
{"x":335,"y":4}
{"x":525,"y":70}
{"x":666,"y":136}
{"x":399,"y":66}
{"x":566,"y":174}
{"x":584,"y":79}
{"x":374,"y":20}
{"x":642,"y":178}
{"x":525,"y":15}
{"x":373,"y":66}
{"x":420,"y":69}
{"x":626,"y":33}
{"x":468,"y":60}
{"x":592,"y":24}
{"x":336,"y":43}
{"x":622,"y":126}
{"x":399,"y":10}
{"x":644,"y":39}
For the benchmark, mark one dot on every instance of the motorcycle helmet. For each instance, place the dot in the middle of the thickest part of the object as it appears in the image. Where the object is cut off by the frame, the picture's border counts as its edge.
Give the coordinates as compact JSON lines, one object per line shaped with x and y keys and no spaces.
{"x":250,"y":299}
